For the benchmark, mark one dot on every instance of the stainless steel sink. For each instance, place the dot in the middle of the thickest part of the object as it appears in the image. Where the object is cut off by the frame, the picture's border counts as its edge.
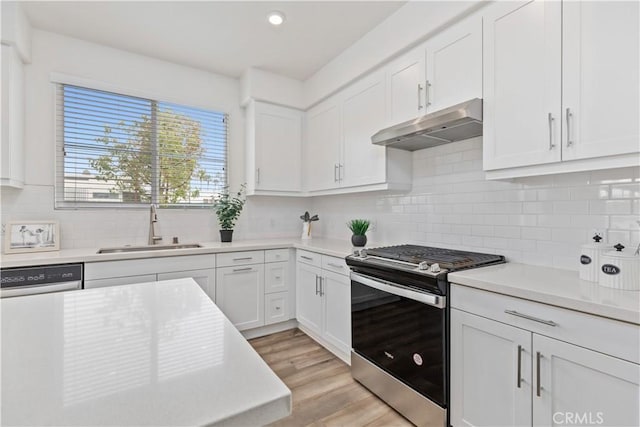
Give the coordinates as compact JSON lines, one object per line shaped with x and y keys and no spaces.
{"x":148,"y":248}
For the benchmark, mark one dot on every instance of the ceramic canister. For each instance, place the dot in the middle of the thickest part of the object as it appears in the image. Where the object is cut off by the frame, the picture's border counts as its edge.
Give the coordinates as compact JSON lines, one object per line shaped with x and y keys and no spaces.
{"x":620,"y":270}
{"x":590,"y":258}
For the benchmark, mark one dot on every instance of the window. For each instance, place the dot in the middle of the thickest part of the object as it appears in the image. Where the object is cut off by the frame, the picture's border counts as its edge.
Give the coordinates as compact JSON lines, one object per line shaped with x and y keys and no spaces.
{"x":120,"y":150}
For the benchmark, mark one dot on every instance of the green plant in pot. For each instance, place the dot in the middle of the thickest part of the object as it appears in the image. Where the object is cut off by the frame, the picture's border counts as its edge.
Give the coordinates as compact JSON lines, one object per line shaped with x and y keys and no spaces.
{"x":228,"y":208}
{"x":359,"y":228}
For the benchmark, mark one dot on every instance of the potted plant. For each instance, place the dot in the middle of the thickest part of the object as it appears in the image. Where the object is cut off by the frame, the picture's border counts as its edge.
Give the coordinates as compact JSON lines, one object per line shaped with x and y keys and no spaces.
{"x":228,"y":208}
{"x":359,"y":227}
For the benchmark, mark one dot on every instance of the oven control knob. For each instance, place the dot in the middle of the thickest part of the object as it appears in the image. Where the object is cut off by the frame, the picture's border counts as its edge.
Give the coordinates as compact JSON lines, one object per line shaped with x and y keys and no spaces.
{"x":435,"y":268}
{"x":423,"y":266}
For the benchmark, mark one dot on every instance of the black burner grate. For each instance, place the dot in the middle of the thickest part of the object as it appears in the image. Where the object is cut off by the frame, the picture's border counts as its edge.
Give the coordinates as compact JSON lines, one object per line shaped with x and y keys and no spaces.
{"x":447,"y":258}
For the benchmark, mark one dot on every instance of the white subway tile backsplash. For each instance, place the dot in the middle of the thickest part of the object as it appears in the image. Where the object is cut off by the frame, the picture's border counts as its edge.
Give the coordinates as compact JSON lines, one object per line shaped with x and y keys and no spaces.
{"x":571,"y":207}
{"x":625,"y":191}
{"x":609,"y":207}
{"x":625,"y":222}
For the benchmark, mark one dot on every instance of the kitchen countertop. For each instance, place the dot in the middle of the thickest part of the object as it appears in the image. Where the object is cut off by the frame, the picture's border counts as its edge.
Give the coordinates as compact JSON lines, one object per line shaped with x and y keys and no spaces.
{"x":333,"y":247}
{"x":156,"y":354}
{"x":562,"y":288}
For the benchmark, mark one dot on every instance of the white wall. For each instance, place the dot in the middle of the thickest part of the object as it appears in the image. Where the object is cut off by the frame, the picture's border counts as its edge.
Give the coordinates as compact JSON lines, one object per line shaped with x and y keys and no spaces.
{"x":141,"y":75}
{"x":538,"y":220}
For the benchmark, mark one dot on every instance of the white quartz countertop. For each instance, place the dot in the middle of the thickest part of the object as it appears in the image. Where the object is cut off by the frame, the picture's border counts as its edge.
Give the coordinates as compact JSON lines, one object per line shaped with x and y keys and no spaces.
{"x":338,"y":248}
{"x":553,"y":286}
{"x":151,"y":354}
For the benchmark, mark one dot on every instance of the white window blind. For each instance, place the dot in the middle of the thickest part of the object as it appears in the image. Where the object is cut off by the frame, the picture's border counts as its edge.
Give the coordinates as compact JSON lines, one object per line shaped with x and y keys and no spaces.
{"x":120,"y":150}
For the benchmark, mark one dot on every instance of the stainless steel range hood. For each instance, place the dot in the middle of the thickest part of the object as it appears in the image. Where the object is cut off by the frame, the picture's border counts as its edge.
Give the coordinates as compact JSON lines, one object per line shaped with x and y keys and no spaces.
{"x":455,"y":123}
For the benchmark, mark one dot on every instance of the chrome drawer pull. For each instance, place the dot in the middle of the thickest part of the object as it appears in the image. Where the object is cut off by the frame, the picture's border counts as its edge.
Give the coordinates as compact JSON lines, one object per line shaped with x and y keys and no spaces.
{"x":330,"y":264}
{"x":243,"y":259}
{"x":238,"y":270}
{"x":308,"y":258}
{"x":535,"y":319}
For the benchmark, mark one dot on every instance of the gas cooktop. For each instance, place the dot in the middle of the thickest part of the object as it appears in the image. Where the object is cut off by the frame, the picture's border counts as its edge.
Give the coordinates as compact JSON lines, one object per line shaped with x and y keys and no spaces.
{"x":449,"y":259}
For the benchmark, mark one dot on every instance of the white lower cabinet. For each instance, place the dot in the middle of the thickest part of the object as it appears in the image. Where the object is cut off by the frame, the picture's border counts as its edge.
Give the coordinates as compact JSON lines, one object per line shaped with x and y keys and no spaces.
{"x":276,"y":308}
{"x":323,"y":303}
{"x":126,"y":272}
{"x":521,"y":374}
{"x":240,"y":295}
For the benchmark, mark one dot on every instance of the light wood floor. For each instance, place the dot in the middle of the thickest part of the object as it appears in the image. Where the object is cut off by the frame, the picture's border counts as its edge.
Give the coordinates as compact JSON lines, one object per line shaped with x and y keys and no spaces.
{"x":324,"y":394}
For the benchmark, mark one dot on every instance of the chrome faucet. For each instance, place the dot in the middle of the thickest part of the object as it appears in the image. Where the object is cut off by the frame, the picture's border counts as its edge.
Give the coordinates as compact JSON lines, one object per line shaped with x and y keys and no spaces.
{"x":153,"y":218}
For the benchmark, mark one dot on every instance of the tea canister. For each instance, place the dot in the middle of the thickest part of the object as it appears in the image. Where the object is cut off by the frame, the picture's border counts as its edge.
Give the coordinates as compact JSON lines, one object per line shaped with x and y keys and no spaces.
{"x":590,"y":258}
{"x":620,"y":270}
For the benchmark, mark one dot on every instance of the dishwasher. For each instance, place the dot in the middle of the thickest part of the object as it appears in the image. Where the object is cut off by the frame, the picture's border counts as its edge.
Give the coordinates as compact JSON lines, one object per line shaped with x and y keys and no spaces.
{"x":20,"y":281}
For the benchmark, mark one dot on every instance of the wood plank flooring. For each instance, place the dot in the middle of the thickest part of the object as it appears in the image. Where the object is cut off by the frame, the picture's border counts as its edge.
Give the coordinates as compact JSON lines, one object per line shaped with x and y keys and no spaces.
{"x":324,"y":394}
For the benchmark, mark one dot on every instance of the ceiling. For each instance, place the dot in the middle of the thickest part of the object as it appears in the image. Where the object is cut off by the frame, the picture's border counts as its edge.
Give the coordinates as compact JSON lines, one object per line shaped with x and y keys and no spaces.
{"x":222,"y":37}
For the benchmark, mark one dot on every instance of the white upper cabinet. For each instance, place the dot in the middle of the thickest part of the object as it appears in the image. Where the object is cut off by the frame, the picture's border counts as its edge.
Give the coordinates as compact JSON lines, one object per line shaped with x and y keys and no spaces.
{"x":274,"y":149}
{"x":363,"y":111}
{"x":454,"y":65}
{"x":323,"y":145}
{"x":522,"y":84}
{"x":406,"y":86}
{"x":12,"y":168}
{"x":339,"y":155}
{"x":600,"y":79}
{"x":561,"y":87}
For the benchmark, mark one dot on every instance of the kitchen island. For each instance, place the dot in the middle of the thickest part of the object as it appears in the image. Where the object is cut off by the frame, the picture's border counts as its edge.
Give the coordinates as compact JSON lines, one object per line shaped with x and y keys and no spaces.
{"x":158,"y":353}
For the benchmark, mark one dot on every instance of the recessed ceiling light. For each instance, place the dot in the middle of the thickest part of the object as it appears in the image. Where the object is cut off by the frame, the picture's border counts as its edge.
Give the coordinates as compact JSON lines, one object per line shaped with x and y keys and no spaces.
{"x":275,"y":18}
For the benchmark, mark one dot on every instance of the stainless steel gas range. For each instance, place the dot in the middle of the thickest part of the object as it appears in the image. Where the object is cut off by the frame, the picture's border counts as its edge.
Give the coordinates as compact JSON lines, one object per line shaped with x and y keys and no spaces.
{"x":400,"y":325}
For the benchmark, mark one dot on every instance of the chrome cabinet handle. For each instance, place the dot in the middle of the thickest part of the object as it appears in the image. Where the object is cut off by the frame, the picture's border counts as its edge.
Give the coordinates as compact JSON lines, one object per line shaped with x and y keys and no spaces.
{"x":340,"y":173}
{"x":330,"y":264}
{"x":569,"y":115}
{"x":238,"y":270}
{"x":321,"y":287}
{"x":551,"y":119}
{"x":427,"y":98}
{"x":535,"y":319}
{"x":519,"y":381}
{"x":258,"y":176}
{"x":247,"y":258}
{"x":538,"y":387}
{"x":335,"y":172}
{"x":308,"y":258}
{"x":419,"y":90}
{"x":317,"y":284}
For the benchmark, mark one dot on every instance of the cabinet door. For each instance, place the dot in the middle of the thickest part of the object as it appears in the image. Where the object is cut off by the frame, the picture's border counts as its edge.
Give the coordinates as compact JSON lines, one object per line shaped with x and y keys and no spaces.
{"x":583,"y":387}
{"x":240,"y":295}
{"x":521,"y":76}
{"x":278,"y":146}
{"x":486,"y":357}
{"x":406,"y":81}
{"x":12,"y":158}
{"x":206,"y":279}
{"x":323,"y":146}
{"x":601,"y":88}
{"x":276,"y":277}
{"x":454,"y":65}
{"x":335,"y":289}
{"x":308,"y":299}
{"x":117,"y":281}
{"x":363,"y":112}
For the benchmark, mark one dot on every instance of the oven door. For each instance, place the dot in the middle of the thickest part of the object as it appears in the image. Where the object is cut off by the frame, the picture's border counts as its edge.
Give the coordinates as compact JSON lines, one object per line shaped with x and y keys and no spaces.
{"x":402,"y":331}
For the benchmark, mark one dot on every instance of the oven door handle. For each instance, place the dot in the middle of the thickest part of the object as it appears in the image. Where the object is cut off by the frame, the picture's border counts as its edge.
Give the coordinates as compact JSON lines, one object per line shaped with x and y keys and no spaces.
{"x":401,"y":291}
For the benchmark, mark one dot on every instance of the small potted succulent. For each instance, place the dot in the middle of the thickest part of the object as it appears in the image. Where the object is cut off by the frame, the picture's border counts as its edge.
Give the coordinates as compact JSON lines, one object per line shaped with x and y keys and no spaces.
{"x":228,"y":208}
{"x":359,"y":228}
{"x":306,"y":224}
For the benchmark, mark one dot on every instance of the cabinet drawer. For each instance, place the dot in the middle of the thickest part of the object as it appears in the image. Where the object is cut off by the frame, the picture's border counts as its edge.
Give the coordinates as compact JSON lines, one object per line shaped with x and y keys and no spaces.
{"x":310,"y":258}
{"x":239,"y":258}
{"x":276,"y":255}
{"x":618,"y":339}
{"x":275,"y":277}
{"x":137,"y":267}
{"x":337,"y":265}
{"x":276,"y":308}
{"x":117,"y":281}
